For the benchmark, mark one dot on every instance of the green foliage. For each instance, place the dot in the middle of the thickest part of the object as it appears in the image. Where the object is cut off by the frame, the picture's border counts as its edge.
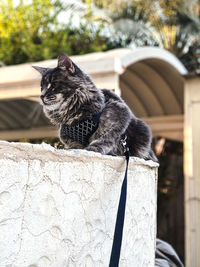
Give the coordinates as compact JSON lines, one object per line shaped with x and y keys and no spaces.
{"x":173,"y":25}
{"x":32,"y":32}
{"x":177,"y":26}
{"x":25,"y":29}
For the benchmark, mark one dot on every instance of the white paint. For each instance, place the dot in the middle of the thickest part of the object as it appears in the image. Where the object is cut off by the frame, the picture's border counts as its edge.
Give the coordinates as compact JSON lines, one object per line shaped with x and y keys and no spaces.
{"x":143,"y":53}
{"x":115,"y":60}
{"x":58,"y":208}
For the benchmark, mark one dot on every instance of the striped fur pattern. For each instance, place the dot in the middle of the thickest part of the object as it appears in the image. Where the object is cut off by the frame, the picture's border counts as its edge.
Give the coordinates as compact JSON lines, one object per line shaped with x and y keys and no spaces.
{"x":69,"y":95}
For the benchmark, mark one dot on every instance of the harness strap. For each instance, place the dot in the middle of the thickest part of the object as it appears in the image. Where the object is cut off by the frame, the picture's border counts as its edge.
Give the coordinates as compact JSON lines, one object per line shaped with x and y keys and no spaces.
{"x":119,"y":225}
{"x":81,"y":131}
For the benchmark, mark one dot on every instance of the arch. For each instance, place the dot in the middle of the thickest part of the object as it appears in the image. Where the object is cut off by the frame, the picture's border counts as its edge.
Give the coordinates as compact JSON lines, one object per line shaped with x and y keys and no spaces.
{"x":140,"y":88}
{"x":136,"y":102}
{"x":155,"y":76}
{"x":144,"y":53}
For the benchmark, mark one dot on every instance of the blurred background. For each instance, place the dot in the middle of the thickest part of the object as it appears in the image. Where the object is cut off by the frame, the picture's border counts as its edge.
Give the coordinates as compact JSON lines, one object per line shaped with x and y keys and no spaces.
{"x":35,"y":30}
{"x":38,"y":30}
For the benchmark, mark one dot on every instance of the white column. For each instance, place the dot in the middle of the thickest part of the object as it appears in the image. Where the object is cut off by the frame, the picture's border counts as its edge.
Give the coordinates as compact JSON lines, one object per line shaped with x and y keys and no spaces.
{"x":192,"y":171}
{"x":58,"y":208}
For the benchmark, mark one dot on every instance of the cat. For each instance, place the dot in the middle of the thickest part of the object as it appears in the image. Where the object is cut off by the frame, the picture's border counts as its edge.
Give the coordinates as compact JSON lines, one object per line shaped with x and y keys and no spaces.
{"x":70,"y":97}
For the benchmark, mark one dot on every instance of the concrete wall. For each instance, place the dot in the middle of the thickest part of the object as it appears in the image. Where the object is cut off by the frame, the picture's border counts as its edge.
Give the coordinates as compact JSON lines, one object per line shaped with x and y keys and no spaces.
{"x":192,"y":171}
{"x":58,"y":208}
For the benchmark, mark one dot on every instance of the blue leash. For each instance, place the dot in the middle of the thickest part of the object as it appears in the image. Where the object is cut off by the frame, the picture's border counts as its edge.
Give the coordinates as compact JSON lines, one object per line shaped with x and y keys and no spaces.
{"x":118,"y":234}
{"x":81,"y":132}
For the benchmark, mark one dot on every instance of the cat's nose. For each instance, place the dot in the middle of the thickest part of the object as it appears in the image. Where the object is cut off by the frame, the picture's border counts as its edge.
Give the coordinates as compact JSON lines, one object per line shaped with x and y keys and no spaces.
{"x":42,"y":98}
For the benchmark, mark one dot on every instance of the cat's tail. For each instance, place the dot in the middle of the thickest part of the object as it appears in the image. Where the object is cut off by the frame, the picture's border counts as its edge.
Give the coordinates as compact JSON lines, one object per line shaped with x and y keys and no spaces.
{"x":139,"y":139}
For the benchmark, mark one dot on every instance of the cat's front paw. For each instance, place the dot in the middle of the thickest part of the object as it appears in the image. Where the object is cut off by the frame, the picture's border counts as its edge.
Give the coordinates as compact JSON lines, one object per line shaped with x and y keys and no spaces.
{"x":95,"y":149}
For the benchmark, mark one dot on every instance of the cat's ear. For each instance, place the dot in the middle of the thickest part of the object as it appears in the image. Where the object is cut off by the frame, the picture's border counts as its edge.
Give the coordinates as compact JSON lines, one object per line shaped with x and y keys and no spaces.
{"x":65,"y":63}
{"x":41,"y":70}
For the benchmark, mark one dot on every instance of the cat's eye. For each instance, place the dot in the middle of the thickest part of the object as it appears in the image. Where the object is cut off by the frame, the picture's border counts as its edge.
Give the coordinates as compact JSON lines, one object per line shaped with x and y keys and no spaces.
{"x":49,"y":85}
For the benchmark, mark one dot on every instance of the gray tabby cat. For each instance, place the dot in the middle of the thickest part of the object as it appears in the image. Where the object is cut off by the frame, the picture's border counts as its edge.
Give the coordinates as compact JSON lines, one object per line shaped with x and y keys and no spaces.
{"x":69,"y":96}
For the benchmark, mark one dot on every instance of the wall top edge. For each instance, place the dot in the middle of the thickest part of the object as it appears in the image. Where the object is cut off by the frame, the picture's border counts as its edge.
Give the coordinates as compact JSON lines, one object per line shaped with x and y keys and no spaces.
{"x":45,"y":152}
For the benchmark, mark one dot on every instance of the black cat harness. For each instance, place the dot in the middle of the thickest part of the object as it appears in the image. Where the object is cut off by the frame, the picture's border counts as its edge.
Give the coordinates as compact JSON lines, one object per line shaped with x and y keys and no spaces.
{"x":82,"y":130}
{"x":81,"y":133}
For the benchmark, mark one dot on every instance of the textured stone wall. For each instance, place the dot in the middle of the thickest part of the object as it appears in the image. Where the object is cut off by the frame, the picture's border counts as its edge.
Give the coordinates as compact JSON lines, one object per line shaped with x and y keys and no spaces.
{"x":58,"y":208}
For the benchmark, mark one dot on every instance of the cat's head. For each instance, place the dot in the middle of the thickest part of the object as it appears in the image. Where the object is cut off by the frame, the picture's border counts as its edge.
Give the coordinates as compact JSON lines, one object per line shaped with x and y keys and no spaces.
{"x":58,"y":84}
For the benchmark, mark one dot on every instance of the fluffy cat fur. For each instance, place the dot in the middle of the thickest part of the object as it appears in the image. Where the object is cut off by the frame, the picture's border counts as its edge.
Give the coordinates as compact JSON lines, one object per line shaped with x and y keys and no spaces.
{"x":68,"y":96}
